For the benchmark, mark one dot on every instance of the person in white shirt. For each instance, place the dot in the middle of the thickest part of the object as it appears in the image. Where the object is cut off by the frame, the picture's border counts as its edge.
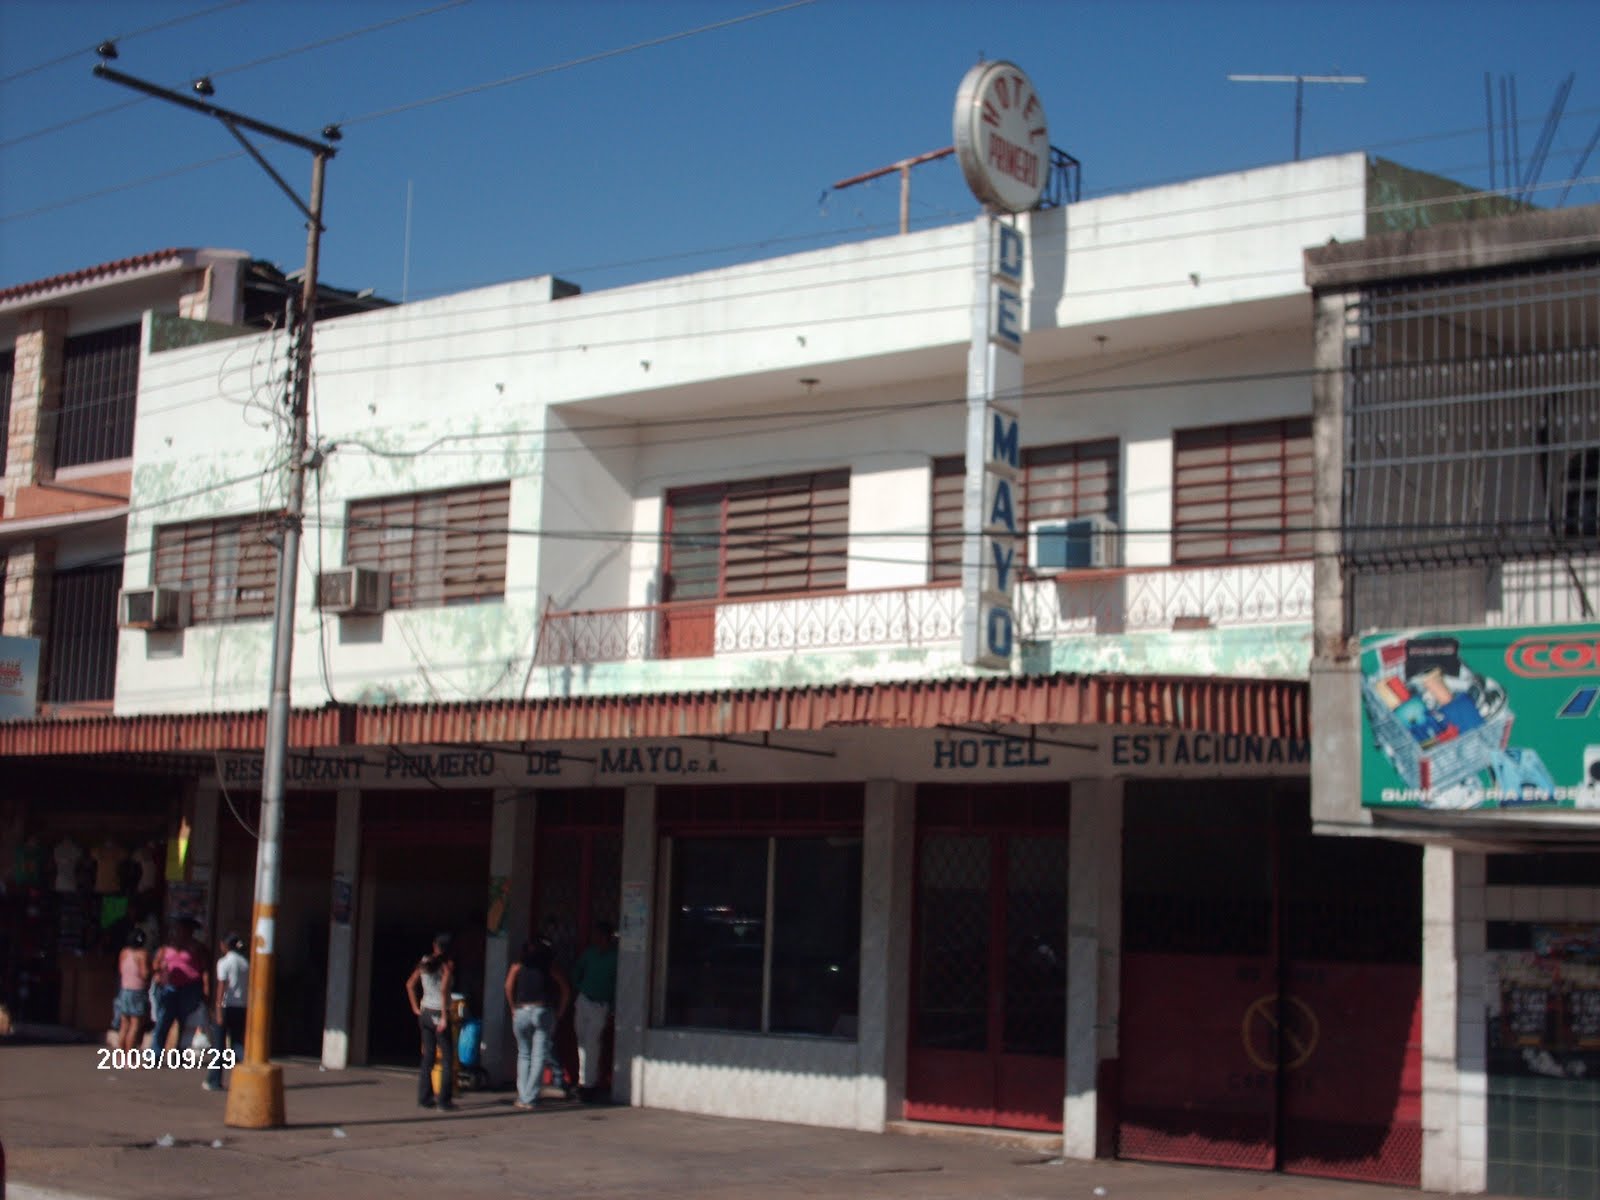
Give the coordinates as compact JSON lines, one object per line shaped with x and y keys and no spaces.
{"x":232,"y":994}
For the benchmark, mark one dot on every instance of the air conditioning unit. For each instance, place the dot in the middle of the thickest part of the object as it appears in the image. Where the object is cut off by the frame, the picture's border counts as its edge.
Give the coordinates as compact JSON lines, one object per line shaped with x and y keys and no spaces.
{"x":353,"y":590}
{"x":1073,"y":544}
{"x":153,"y":608}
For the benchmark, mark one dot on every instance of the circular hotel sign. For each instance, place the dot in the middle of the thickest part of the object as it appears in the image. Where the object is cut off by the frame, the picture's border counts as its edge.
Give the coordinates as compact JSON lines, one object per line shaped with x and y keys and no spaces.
{"x":1002,"y":141}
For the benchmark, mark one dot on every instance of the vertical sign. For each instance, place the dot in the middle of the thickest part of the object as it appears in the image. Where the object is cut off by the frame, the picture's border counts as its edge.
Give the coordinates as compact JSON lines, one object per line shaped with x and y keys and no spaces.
{"x":994,"y":456}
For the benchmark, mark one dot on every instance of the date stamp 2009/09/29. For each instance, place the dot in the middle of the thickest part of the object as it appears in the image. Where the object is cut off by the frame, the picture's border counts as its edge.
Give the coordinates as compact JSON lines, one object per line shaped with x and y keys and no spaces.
{"x":149,"y":1059}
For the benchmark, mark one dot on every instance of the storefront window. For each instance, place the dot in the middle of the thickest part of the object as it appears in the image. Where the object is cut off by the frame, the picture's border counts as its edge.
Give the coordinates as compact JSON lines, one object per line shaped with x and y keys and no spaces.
{"x":764,"y":934}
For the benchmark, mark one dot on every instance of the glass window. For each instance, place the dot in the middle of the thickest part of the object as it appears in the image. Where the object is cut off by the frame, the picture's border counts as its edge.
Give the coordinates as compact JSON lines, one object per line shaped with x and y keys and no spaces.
{"x":1074,"y":479}
{"x":763,"y":934}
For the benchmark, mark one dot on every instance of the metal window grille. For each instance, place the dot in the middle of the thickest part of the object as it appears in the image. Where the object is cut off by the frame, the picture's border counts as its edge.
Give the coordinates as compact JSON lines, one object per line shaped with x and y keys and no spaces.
{"x":8,"y":361}
{"x":1473,"y":418}
{"x":1242,"y":492}
{"x":229,"y":567}
{"x":438,"y":547}
{"x":1072,"y":479}
{"x":99,"y":383}
{"x":82,"y":646}
{"x":759,"y":537}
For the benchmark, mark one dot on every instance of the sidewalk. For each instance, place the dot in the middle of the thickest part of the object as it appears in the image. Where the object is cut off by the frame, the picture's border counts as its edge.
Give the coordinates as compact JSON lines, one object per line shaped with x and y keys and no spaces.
{"x":71,"y":1130}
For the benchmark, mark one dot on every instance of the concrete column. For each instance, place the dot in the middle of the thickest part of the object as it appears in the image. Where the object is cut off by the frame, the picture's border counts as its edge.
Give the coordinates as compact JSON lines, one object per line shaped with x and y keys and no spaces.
{"x":888,"y":835}
{"x":1335,"y":686}
{"x":338,"y":1009}
{"x":35,"y":396}
{"x":510,"y":868}
{"x":1441,"y":1135}
{"x":1094,"y":966}
{"x":635,"y":941}
{"x":29,"y":577}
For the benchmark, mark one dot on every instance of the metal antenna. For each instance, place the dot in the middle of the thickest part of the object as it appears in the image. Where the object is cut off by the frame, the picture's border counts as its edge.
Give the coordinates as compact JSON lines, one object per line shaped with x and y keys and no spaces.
{"x":1299,"y":82}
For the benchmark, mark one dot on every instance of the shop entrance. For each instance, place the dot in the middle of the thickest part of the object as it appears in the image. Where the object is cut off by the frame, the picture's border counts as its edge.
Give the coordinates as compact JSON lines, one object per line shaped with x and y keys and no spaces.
{"x":425,"y":871}
{"x":577,"y":883}
{"x":989,"y":970}
{"x":1271,"y":986}
{"x":304,"y":902}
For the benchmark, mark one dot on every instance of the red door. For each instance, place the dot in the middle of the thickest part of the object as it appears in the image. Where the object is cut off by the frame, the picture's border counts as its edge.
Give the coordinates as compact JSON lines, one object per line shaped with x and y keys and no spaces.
{"x":988,"y":1030}
{"x":1271,"y":988}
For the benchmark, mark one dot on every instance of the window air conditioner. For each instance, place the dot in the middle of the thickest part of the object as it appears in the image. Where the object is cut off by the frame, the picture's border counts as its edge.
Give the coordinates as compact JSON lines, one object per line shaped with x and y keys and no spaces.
{"x":153,"y":608}
{"x":1072,"y":544}
{"x":353,"y":590}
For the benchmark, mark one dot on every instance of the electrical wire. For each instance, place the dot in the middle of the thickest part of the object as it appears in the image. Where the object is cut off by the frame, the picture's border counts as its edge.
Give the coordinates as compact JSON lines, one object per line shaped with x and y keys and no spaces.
{"x":220,"y":72}
{"x":121,"y":37}
{"x":585,"y":60}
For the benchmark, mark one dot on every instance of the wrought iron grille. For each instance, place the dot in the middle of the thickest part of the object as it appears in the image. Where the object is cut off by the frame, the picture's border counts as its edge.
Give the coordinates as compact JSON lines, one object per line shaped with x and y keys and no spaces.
{"x":99,"y":383}
{"x":8,"y":361}
{"x":1473,"y":419}
{"x":82,"y":645}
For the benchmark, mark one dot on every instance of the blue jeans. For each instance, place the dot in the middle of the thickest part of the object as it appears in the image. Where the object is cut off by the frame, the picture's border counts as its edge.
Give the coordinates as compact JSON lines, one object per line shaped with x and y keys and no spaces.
{"x":532,"y":1024}
{"x":174,"y":1005}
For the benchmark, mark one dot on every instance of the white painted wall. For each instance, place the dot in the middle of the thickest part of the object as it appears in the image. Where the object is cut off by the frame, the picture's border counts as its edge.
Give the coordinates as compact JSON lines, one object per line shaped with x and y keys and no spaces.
{"x":491,"y":385}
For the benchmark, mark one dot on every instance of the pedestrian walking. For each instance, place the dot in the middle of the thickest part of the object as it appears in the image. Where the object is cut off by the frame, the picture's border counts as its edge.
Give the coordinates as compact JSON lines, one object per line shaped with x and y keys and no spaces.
{"x":428,"y":993}
{"x":133,"y":1001}
{"x":182,"y":971}
{"x":232,"y":994}
{"x":595,"y":978}
{"x":537,"y":993}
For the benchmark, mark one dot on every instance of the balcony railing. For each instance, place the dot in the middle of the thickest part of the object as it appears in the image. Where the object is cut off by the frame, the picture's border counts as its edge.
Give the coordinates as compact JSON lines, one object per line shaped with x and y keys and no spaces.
{"x":1075,"y":604}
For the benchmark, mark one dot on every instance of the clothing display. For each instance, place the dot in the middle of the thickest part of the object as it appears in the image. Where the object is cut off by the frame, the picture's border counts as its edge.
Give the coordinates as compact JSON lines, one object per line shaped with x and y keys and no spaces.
{"x":66,"y":855}
{"x":107,"y":858}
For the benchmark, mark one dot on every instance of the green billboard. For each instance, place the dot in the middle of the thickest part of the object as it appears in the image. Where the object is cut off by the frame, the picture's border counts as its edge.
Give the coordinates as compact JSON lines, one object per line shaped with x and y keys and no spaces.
{"x":1482,"y":718}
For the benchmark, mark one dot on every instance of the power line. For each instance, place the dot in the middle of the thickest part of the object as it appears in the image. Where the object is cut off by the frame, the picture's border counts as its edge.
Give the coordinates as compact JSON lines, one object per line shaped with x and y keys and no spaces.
{"x":121,"y":37}
{"x":585,"y":60}
{"x":279,"y":56}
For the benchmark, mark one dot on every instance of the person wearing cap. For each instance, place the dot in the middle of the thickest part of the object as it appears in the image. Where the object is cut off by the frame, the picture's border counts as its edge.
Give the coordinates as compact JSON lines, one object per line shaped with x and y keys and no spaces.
{"x":232,"y":993}
{"x":428,"y":992}
{"x":182,"y":971}
{"x":595,"y":977}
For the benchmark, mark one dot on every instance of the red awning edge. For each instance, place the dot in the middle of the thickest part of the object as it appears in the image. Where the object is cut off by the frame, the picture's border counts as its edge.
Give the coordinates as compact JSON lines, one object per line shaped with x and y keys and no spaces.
{"x":1263,"y":708}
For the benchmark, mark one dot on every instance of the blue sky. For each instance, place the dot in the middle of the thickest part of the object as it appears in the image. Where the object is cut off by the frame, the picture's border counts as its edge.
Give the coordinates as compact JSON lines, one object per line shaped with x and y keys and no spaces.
{"x":709,"y":148}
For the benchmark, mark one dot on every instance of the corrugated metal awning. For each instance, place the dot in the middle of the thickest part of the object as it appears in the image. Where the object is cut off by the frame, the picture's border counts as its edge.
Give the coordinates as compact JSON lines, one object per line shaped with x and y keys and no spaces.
{"x":1266,"y":708}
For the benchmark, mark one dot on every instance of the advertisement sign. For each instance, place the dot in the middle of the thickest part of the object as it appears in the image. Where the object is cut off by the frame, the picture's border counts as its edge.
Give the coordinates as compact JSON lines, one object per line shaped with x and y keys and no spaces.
{"x":1482,"y":718}
{"x":1543,"y":1004}
{"x":19,"y":678}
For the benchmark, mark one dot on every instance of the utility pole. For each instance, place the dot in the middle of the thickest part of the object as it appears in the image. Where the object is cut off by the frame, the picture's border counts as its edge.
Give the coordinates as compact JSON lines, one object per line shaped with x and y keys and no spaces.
{"x":255,"y":1098}
{"x":1299,"y":82}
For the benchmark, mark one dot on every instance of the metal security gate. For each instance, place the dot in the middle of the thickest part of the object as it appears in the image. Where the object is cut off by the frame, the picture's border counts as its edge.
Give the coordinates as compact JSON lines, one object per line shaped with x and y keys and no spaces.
{"x":1271,"y":987}
{"x":989,"y":977}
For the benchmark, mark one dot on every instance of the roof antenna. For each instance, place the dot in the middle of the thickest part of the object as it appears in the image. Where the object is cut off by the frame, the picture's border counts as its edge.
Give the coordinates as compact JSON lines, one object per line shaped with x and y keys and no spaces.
{"x":1299,"y":82}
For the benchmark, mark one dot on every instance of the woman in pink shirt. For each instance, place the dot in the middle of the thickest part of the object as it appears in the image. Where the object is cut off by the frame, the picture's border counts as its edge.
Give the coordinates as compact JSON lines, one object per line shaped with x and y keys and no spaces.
{"x":183,"y":981}
{"x":133,"y":974}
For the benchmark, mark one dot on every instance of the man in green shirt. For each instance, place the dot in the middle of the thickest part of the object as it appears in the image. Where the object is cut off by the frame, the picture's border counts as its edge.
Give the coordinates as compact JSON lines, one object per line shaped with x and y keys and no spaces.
{"x":595,"y":978}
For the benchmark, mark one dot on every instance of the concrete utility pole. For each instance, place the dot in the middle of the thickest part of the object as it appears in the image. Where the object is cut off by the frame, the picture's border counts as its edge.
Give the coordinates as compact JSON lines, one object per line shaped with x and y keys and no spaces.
{"x":1299,"y":82}
{"x":255,"y":1098}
